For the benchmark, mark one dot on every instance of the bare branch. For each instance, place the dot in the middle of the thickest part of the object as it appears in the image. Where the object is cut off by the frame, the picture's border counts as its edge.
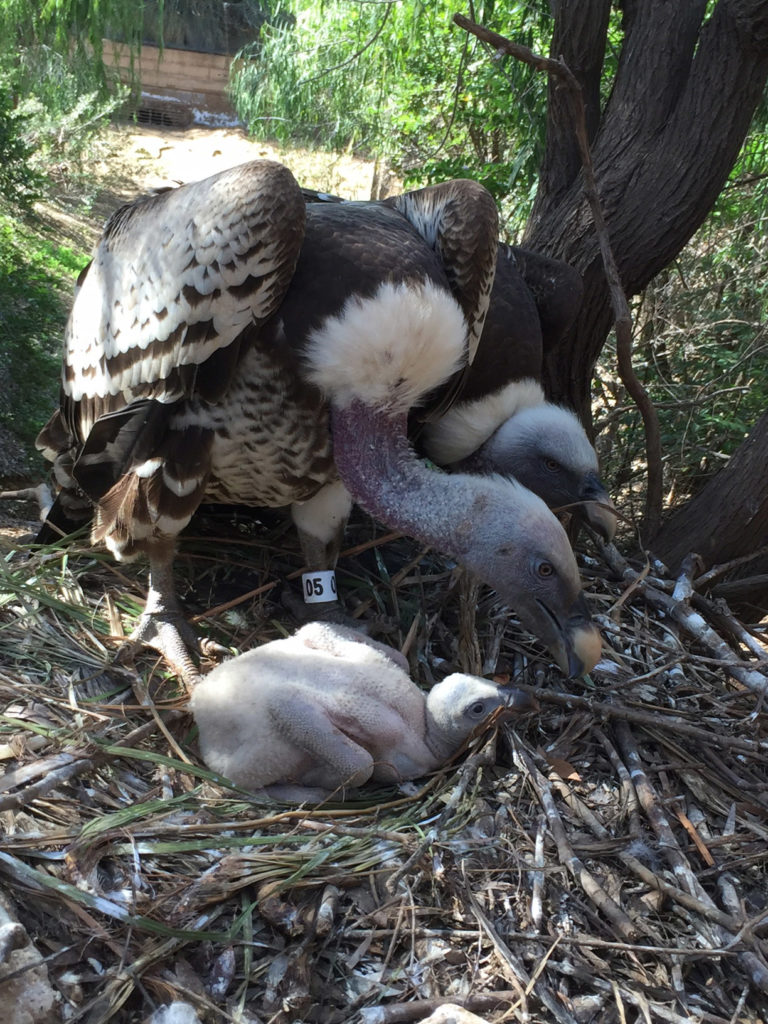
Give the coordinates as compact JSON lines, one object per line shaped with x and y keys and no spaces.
{"x":619,"y":304}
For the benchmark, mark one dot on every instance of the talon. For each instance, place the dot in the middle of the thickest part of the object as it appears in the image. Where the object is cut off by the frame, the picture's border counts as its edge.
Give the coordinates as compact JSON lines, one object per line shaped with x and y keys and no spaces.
{"x":170,"y":634}
{"x":213,"y":649}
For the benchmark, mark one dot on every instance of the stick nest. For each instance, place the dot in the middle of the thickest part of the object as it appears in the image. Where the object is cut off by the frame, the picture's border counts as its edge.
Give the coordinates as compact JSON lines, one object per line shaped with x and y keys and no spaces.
{"x":605,"y":861}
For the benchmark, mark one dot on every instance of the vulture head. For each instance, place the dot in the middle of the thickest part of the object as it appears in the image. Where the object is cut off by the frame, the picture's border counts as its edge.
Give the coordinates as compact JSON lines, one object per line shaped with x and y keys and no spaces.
{"x":460,"y":703}
{"x":546,"y":449}
{"x":516,"y":433}
{"x":517,"y":546}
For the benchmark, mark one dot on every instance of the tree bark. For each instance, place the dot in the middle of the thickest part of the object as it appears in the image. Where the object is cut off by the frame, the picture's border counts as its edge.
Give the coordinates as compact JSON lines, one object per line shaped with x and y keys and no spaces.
{"x":729,"y":516}
{"x":679,"y":110}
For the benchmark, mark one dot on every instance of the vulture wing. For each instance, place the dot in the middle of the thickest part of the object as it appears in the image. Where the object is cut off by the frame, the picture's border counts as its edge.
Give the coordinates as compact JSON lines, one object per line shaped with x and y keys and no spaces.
{"x":162,"y":315}
{"x":175,"y":281}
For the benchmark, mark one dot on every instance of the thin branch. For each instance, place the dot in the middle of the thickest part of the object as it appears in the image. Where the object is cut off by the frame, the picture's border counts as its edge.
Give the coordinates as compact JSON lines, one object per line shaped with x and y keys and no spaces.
{"x":622,"y":317}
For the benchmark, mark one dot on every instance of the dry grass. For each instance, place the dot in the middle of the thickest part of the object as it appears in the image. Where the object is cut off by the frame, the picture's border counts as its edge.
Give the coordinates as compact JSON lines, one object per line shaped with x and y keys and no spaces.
{"x":606,"y":862}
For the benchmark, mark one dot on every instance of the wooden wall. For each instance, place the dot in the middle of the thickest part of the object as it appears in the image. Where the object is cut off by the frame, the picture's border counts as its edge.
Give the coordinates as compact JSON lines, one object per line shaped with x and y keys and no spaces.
{"x":187,"y":78}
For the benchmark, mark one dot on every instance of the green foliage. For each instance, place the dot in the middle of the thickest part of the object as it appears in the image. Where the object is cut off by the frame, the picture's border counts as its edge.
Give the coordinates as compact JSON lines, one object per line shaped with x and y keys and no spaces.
{"x":64,"y":105}
{"x":701,"y":345}
{"x":400,"y":81}
{"x":34,"y":274}
{"x":20,"y":183}
{"x":73,"y":28}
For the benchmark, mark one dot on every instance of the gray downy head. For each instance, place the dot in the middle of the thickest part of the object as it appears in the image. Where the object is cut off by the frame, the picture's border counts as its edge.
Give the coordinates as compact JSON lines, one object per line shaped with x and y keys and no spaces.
{"x":460,"y":703}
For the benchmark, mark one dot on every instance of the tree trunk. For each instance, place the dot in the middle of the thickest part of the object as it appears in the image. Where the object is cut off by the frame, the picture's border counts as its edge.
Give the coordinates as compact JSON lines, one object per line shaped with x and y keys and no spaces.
{"x":678,"y":113}
{"x":729,"y":517}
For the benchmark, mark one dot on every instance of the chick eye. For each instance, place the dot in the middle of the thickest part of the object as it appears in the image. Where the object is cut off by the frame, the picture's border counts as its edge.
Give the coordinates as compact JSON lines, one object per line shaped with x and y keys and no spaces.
{"x":552,"y":465}
{"x":545,"y":570}
{"x":477,"y":710}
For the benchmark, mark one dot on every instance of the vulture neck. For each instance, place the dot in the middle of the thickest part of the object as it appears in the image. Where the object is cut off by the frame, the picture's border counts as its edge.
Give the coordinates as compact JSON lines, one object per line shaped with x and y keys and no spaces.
{"x":384,"y":476}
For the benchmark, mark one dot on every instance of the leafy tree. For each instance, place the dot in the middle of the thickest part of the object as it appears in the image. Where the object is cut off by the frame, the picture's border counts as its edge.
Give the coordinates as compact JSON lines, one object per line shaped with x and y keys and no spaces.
{"x":396,"y":80}
{"x":663,"y":141}
{"x":20,"y":183}
{"x":75,"y":28}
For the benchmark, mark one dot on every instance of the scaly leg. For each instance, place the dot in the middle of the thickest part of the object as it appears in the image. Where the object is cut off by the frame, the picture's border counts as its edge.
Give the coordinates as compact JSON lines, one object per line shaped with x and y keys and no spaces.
{"x":320,"y":524}
{"x":162,"y":624}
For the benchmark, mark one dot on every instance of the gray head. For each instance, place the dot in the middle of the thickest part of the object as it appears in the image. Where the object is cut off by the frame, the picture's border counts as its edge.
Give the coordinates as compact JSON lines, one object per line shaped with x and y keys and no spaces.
{"x":547,"y":449}
{"x":513,"y":542}
{"x":460,"y":703}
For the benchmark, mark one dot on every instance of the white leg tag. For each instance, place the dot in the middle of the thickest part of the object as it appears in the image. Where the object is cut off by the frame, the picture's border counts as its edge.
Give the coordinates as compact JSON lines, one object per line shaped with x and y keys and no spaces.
{"x":319,"y":586}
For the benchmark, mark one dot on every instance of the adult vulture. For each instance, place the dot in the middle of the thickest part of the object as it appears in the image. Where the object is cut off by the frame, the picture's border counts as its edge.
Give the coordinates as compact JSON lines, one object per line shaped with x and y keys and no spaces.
{"x":499,"y":420}
{"x":208,"y":356}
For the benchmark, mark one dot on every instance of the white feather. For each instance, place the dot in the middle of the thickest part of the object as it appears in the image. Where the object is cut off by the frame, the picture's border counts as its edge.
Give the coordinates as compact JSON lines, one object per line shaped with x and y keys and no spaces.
{"x":468,"y":425}
{"x":391,"y":349}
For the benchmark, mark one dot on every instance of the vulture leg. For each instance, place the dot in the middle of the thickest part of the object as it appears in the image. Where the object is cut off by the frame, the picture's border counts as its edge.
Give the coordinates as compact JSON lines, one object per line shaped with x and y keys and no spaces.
{"x":162,"y":624}
{"x":320,"y":524}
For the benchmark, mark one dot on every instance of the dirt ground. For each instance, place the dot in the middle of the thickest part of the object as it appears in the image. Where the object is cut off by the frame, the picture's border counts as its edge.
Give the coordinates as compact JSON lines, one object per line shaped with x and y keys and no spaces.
{"x":129,"y":161}
{"x":156,"y":157}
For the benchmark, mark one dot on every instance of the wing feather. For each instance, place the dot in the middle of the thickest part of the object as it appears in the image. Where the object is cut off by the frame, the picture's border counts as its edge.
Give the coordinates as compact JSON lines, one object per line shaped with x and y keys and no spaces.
{"x":460,"y":221}
{"x":176,"y":278}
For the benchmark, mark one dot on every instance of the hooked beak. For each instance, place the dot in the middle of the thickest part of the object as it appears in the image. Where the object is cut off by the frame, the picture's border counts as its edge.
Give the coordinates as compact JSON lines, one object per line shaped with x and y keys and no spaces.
{"x":575,"y":643}
{"x":599,"y":511}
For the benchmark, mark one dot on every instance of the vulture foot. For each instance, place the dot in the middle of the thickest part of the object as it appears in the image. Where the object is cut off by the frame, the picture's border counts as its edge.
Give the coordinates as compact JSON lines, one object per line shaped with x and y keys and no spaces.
{"x":172,"y":636}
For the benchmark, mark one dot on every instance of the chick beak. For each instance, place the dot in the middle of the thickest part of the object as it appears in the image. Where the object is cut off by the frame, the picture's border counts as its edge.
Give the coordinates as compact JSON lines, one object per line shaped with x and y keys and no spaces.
{"x":518,"y":702}
{"x":599,"y":511}
{"x":576,"y":648}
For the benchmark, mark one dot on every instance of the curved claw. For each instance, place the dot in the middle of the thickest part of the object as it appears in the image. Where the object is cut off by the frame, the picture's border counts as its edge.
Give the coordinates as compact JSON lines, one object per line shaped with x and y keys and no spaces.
{"x":172,"y":636}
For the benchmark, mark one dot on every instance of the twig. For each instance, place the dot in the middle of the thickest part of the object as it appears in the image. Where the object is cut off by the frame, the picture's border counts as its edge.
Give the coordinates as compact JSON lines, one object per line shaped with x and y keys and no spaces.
{"x":755,"y":748}
{"x":588,"y":941}
{"x":537,"y":875}
{"x":751,"y":962}
{"x":690,"y":622}
{"x":568,"y":858}
{"x":684,"y":587}
{"x":627,"y":789}
{"x":73,"y":767}
{"x":645,"y":1005}
{"x":719,"y":610}
{"x":622,"y":317}
{"x":718,"y":570}
{"x":55,"y":778}
{"x":467,"y":774}
{"x":401,"y":1013}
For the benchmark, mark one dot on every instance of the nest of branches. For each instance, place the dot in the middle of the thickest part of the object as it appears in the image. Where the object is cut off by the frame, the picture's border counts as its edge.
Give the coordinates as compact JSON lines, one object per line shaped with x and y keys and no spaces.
{"x":604,"y":862}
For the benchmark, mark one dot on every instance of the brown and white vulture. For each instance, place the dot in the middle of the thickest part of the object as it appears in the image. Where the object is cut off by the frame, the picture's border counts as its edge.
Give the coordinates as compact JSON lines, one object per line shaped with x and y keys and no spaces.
{"x":224,"y":345}
{"x":499,"y":420}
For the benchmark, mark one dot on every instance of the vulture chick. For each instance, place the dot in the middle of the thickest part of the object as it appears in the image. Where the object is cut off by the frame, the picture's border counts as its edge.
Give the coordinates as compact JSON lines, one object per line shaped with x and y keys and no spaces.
{"x":210,"y":355}
{"x":329,"y":708}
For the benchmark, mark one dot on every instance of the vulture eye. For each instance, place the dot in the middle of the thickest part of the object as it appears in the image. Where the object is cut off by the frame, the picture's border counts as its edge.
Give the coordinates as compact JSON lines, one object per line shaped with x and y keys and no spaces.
{"x":552,"y":465}
{"x":545,"y":570}
{"x":477,"y":710}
